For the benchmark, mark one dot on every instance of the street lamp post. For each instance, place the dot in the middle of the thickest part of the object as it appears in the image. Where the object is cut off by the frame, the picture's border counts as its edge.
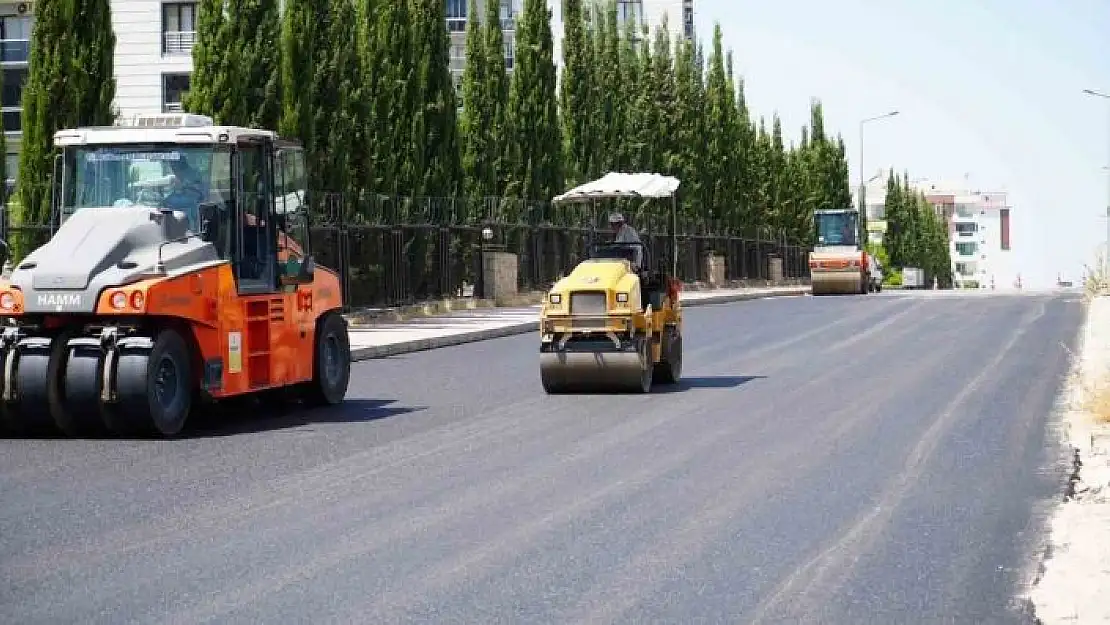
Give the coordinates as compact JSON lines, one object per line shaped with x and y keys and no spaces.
{"x":1106,"y":259}
{"x":862,"y":182}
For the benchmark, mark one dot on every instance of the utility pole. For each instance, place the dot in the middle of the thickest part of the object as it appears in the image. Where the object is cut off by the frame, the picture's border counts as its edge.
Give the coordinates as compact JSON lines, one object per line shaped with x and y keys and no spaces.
{"x":1106,"y":256}
{"x":862,"y":179}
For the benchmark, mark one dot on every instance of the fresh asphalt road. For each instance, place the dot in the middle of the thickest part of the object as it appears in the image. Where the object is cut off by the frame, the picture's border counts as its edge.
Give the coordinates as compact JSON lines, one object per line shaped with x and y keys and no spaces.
{"x":826,"y":460}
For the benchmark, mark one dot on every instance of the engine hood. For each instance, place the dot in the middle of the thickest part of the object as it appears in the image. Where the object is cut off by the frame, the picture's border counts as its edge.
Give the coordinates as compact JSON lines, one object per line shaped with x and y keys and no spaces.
{"x":96,"y":248}
{"x":595,"y":275}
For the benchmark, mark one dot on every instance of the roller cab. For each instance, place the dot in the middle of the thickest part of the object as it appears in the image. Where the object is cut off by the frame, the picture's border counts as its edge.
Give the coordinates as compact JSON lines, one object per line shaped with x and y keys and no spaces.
{"x":611,"y":325}
{"x":838,"y":264}
{"x":178,"y":274}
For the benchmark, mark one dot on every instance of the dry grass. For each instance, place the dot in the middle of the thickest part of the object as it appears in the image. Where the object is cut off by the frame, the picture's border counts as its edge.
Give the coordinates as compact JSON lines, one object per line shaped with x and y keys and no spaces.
{"x":1096,"y":401}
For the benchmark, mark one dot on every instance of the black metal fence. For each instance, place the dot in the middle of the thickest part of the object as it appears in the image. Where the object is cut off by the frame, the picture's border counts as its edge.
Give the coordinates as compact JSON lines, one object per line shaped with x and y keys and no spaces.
{"x":394,"y":251}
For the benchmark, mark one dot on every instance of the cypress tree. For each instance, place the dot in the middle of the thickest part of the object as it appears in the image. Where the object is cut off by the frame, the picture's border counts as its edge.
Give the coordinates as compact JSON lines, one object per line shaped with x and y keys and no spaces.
{"x":535,"y":137}
{"x":71,"y":82}
{"x":303,"y":24}
{"x":497,"y":92}
{"x":576,"y":94}
{"x":477,"y":109}
{"x":393,"y":102}
{"x":211,"y":83}
{"x":435,"y":127}
{"x":720,"y":104}
{"x":338,"y":91}
{"x":253,"y":32}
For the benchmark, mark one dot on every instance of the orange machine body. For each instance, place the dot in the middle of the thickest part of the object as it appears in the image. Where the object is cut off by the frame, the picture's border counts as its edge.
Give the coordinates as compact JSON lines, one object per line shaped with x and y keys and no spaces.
{"x":260,"y":341}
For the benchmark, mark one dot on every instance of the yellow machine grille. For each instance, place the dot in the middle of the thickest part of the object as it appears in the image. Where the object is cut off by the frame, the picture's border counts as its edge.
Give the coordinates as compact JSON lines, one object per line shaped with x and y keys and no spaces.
{"x":588,"y":303}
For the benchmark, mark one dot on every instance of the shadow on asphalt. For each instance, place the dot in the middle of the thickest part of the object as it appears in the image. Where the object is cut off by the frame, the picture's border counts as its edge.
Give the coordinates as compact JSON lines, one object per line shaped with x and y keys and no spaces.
{"x":260,"y":417}
{"x":708,"y":381}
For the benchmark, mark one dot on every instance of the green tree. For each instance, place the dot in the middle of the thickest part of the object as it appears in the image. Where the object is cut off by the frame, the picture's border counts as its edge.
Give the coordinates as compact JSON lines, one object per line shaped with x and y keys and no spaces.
{"x":70,"y":82}
{"x":690,"y":129}
{"x":497,"y":89}
{"x":435,"y":126}
{"x":254,"y":28}
{"x":535,"y":167}
{"x":338,"y":88}
{"x":576,"y":95}
{"x":393,"y":87}
{"x":477,"y":109}
{"x":720,"y":149}
{"x":211,"y":83}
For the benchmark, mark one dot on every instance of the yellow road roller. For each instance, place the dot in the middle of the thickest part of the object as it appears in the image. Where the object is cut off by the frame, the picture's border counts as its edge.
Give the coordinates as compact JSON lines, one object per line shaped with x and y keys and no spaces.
{"x":838,"y":263}
{"x":615,"y":323}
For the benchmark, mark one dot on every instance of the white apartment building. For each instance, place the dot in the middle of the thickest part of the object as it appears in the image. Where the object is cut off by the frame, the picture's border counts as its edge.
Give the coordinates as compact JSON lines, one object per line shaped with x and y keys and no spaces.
{"x":679,"y":15}
{"x":979,"y":234}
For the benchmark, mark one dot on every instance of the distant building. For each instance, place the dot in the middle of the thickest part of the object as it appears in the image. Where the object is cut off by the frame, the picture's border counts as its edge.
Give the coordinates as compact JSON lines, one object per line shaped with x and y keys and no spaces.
{"x":979,"y":234}
{"x":978,"y":228}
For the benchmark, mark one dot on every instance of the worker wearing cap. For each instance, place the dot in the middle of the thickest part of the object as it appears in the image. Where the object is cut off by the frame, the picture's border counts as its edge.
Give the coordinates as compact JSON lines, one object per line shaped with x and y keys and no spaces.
{"x":625,"y":233}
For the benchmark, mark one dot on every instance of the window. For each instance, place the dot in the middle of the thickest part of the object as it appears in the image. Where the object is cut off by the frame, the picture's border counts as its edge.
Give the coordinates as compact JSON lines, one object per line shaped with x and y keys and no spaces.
{"x":179,"y":25}
{"x":630,"y":10}
{"x":15,"y":38}
{"x":456,"y":16}
{"x":292,"y":212}
{"x":171,"y":176}
{"x":966,"y":228}
{"x":508,"y":17}
{"x":966,"y":249}
{"x":509,"y":55}
{"x":256,"y":259}
{"x":174,"y":87}
{"x":11,"y":99}
{"x":458,"y":57}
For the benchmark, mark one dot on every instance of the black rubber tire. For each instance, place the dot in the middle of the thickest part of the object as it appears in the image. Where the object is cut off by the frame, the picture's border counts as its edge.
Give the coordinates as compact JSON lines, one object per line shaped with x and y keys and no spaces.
{"x":331,"y":362}
{"x":669,"y":369}
{"x":39,"y":388}
{"x":80,"y":410}
{"x":155,"y":387}
{"x":646,"y":375}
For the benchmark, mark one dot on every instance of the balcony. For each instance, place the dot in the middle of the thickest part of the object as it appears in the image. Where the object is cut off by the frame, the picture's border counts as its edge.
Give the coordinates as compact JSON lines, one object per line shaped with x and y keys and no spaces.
{"x":15,"y":50}
{"x":178,"y":43}
{"x":456,"y":24}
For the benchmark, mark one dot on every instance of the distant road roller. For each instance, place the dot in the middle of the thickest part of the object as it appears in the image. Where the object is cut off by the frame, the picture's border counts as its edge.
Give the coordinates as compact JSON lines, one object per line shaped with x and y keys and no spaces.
{"x":838,"y":263}
{"x":614,"y":324}
{"x":178,"y":273}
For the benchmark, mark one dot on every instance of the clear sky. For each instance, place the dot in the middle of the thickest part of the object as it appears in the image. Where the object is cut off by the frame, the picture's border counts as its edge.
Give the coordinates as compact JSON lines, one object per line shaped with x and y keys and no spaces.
{"x":991,"y":89}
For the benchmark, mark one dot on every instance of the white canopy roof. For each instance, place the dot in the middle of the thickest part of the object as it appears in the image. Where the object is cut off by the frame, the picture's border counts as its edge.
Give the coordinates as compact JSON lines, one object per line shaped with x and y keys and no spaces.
{"x":619,"y":185}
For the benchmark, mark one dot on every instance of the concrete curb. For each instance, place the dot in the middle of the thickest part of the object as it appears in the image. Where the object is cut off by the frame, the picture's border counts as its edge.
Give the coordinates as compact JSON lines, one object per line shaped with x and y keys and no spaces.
{"x":419,"y":345}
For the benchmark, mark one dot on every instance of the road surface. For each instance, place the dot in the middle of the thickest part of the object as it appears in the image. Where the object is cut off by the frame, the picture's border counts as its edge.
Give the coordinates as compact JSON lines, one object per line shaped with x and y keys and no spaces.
{"x":826,"y":460}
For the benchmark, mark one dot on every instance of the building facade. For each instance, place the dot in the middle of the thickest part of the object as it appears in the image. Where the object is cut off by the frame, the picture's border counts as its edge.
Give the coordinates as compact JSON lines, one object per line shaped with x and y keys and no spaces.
{"x":979,"y":235}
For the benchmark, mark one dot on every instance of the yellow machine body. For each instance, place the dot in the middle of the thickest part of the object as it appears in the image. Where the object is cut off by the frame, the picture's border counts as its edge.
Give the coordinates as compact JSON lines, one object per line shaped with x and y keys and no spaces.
{"x":606,"y":327}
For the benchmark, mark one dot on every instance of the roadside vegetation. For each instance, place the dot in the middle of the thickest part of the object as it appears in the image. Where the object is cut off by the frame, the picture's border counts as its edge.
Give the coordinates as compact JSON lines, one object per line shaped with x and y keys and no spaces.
{"x":366,"y":86}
